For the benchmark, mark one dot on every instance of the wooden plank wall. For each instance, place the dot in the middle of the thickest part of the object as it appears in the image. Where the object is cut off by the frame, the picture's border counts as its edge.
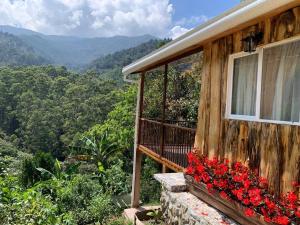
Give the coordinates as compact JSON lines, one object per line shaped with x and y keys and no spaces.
{"x":273,"y":149}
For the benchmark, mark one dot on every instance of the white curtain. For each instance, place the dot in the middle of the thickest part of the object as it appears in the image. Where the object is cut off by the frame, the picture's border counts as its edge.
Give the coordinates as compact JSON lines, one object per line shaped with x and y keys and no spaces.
{"x":244,"y":85}
{"x":281,"y":83}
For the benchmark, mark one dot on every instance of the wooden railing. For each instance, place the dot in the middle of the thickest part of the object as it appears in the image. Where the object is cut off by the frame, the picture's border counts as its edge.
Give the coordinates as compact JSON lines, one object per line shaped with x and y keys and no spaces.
{"x":169,"y":141}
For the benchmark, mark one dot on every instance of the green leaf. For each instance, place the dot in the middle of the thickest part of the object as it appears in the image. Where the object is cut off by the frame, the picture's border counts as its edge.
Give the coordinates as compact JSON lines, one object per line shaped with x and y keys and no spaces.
{"x":100,"y":167}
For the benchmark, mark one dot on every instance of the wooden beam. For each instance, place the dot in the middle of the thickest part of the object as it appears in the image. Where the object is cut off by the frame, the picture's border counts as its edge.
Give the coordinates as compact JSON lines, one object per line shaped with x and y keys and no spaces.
{"x":179,"y":55}
{"x":162,"y":142}
{"x":137,"y":161}
{"x":165,"y":93}
{"x":160,"y":159}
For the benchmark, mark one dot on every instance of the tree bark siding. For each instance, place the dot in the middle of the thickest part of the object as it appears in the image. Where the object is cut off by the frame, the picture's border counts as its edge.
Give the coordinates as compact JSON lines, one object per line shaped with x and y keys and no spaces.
{"x":204,"y":104}
{"x":273,"y":149}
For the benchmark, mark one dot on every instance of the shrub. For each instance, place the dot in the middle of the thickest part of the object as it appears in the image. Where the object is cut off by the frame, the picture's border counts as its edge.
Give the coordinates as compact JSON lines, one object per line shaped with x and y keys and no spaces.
{"x":118,"y":221}
{"x":31,"y":207}
{"x":150,"y":188}
{"x":115,"y":180}
{"x":100,"y":209}
{"x":78,"y":192}
{"x":8,"y":155}
{"x":29,"y":173}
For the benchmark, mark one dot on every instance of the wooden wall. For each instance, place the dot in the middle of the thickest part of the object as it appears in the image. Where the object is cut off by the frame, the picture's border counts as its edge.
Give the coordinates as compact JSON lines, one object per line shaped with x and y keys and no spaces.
{"x":273,"y":149}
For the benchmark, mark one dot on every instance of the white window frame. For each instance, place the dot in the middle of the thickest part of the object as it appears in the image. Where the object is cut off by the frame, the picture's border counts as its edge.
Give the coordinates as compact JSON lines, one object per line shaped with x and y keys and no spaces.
{"x":256,"y":117}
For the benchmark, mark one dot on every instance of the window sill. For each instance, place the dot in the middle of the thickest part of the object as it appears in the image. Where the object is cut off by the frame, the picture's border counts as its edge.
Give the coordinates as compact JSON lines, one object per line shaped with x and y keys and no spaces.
{"x":253,"y":119}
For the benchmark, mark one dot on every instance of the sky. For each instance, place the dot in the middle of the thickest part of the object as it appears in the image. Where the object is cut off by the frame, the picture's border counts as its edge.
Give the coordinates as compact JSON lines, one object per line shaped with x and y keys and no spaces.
{"x":105,"y":18}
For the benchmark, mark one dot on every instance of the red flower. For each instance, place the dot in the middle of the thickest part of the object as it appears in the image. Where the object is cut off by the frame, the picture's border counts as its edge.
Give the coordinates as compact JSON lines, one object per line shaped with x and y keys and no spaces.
{"x":222,"y":184}
{"x":254,"y":192}
{"x":197,"y":178}
{"x":200,"y":169}
{"x":226,"y":161}
{"x":192,"y":158}
{"x":249,"y":212}
{"x":189,"y":170}
{"x":267,"y":219}
{"x":291,"y":197}
{"x":209,"y":186}
{"x":282,"y":220}
{"x":295,"y":184}
{"x":263,"y":182}
{"x":256,"y":200}
{"x":237,"y":165}
{"x":221,"y":170}
{"x":246,"y":201}
{"x":255,"y":197}
{"x":224,"y":195}
{"x":271,"y":205}
{"x":205,"y":177}
{"x":247,"y":183}
{"x":239,"y":194}
{"x":246,"y":186}
{"x":238,"y":178}
{"x":297,"y":213}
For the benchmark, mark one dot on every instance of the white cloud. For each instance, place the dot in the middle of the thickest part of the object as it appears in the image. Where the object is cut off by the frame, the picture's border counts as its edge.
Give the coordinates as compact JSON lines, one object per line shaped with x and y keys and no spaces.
{"x":186,"y":24}
{"x":89,"y":17}
{"x":192,"y":21}
{"x":177,"y":31}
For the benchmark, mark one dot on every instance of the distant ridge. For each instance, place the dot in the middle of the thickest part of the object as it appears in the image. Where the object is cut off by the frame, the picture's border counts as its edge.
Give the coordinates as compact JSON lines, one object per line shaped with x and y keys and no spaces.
{"x":73,"y":51}
{"x":110,"y":66}
{"x":14,"y":52}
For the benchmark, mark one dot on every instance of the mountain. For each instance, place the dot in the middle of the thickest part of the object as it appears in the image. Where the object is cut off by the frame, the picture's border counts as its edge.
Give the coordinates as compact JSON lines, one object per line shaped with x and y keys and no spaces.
{"x":110,"y":66}
{"x":15,"y":52}
{"x":74,"y":51}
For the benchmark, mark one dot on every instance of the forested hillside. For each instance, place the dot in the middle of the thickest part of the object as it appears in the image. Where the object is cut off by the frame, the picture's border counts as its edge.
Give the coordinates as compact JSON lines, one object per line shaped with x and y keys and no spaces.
{"x":15,"y":52}
{"x":66,"y":144}
{"x":110,"y":66}
{"x":74,"y":52}
{"x":66,"y":138}
{"x":125,"y":57}
{"x":46,"y":107}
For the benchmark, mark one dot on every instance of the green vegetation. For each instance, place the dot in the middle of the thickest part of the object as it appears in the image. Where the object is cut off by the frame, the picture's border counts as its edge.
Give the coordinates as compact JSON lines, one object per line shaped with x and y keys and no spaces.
{"x":44,"y":108}
{"x":66,"y":139}
{"x":125,"y":57}
{"x":110,"y":66}
{"x":15,"y":52}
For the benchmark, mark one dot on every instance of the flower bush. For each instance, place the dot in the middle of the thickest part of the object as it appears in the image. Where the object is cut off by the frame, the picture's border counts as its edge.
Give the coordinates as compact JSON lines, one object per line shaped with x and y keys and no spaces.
{"x":238,"y":183}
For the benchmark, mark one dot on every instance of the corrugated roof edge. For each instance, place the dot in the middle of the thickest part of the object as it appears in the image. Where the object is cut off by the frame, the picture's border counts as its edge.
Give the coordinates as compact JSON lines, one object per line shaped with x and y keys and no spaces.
{"x":261,"y":6}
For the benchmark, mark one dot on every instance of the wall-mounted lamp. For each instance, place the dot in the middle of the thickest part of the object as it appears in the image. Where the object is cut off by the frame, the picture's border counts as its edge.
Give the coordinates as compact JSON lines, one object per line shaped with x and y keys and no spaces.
{"x":250,"y":42}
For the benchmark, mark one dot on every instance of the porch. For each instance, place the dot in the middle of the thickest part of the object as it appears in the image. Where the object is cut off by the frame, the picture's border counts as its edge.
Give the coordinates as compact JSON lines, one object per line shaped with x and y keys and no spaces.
{"x":167,"y":142}
{"x":167,"y":134}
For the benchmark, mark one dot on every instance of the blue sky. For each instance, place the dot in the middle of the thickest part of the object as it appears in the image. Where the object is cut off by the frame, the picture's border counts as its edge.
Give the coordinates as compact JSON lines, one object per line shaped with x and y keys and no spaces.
{"x":95,"y":18}
{"x":191,"y":13}
{"x":196,"y":8}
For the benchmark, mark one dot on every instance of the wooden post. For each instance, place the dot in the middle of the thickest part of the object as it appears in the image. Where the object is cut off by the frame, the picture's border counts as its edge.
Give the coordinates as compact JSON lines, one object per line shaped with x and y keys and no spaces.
{"x":137,"y":161}
{"x":162,"y":143}
{"x":165,"y":169}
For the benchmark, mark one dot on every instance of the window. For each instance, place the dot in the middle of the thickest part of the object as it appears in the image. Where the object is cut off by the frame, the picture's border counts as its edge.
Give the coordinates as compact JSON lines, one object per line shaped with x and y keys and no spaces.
{"x":244,"y":85}
{"x":265,"y":85}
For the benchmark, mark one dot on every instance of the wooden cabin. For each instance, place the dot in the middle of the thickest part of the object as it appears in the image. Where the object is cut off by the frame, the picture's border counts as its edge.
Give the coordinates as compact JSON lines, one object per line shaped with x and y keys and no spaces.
{"x":249,"y":106}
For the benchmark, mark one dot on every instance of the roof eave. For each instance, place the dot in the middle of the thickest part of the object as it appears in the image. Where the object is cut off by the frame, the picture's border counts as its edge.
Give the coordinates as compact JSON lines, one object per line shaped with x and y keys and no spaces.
{"x":242,"y":14}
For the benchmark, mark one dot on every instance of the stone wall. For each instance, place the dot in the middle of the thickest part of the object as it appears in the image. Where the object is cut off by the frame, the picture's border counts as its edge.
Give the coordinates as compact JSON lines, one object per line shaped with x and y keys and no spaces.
{"x":182,"y":208}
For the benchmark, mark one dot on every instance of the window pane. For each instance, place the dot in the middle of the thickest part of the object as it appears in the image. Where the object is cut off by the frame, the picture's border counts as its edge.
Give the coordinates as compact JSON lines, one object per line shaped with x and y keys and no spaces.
{"x":244,"y":85}
{"x":281,"y":83}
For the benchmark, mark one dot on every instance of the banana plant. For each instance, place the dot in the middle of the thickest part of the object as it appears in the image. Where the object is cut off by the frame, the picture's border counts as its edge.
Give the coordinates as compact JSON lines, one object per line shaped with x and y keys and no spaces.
{"x":100,"y":148}
{"x":59,"y":172}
